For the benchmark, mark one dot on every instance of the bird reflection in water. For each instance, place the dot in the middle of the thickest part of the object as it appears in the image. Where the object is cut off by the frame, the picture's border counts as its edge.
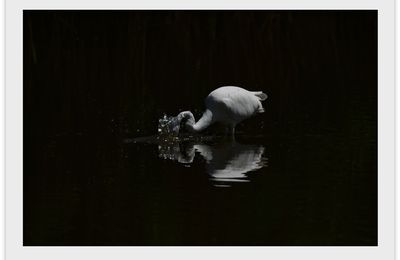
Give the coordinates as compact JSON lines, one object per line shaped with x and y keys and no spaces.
{"x":226,"y":162}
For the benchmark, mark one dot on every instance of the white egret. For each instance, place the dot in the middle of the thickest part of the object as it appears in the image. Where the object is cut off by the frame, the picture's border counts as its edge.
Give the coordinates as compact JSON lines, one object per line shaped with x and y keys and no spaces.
{"x":228,"y":105}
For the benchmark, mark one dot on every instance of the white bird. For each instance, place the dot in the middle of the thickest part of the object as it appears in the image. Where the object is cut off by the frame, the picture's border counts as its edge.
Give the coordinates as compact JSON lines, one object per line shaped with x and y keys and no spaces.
{"x":228,"y":105}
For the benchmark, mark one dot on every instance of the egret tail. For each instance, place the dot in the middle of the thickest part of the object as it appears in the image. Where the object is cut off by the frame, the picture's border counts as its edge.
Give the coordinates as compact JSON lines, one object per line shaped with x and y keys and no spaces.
{"x":262,"y":96}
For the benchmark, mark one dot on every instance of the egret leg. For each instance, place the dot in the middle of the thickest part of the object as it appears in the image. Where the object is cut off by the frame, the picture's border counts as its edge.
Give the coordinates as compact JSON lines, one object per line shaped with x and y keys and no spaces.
{"x":232,"y":132}
{"x":227,"y":130}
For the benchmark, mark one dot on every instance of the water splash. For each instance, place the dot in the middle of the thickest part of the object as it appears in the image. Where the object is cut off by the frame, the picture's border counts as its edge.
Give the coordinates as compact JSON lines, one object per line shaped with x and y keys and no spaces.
{"x":168,"y":125}
{"x":169,"y":140}
{"x":169,"y":131}
{"x":168,"y":134}
{"x":168,"y":128}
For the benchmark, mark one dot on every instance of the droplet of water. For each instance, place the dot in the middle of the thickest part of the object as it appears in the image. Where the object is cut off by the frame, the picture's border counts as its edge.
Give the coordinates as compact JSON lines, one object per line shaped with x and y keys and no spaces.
{"x":168,"y":127}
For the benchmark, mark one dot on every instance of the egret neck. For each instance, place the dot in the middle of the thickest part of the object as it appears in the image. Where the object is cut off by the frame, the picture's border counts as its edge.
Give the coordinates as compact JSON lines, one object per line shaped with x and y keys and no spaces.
{"x":203,"y":123}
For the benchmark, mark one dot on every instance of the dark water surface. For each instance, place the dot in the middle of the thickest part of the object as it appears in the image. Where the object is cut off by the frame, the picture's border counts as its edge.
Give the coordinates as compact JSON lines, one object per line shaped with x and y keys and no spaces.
{"x":302,"y":173}
{"x":314,"y":190}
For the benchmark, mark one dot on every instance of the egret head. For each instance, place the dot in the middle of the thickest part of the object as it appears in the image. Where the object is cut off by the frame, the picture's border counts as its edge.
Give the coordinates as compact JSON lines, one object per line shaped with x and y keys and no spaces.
{"x":186,"y":120}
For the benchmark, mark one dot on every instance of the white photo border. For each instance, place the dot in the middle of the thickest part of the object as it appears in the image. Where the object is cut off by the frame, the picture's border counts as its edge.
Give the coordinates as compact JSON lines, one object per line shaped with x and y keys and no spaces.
{"x":14,"y":128}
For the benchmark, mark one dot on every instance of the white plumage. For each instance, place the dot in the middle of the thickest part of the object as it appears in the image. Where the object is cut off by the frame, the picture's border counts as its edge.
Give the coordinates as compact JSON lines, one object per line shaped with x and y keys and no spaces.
{"x":228,"y":105}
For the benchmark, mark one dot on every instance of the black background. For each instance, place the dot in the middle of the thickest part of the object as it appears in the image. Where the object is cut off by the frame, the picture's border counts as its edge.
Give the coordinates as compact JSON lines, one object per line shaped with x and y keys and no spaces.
{"x":94,"y":78}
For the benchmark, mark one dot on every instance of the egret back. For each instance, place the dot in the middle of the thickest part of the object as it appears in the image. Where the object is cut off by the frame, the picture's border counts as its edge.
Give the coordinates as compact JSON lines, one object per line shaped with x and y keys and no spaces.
{"x":231,"y":104}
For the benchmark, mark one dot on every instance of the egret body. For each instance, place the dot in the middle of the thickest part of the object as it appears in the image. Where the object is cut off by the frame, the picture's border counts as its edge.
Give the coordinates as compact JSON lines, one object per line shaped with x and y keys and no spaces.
{"x":227,"y":105}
